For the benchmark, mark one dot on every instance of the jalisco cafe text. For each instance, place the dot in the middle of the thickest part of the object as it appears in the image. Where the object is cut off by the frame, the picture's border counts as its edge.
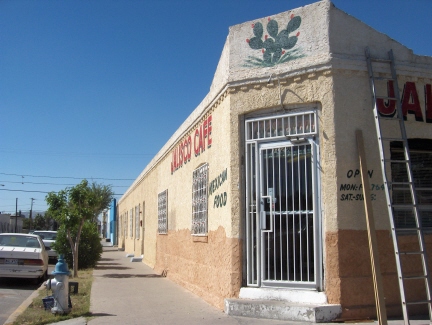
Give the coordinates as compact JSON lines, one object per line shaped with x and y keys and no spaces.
{"x":182,"y":153}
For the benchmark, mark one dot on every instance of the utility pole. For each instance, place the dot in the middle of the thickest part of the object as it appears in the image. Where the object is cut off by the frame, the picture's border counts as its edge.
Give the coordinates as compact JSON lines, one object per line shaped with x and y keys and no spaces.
{"x":31,"y":210}
{"x":16,"y":214}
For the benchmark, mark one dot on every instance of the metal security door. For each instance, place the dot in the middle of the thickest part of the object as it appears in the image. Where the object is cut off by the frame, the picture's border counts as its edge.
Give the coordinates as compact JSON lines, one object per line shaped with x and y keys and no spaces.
{"x":287,"y":214}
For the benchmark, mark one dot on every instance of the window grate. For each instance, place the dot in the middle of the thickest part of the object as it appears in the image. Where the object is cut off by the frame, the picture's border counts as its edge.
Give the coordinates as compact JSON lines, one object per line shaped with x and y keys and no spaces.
{"x":125,"y":224}
{"x":163,"y":212}
{"x":131,"y":223}
{"x":294,"y":125}
{"x":421,"y":164}
{"x":137,"y":220}
{"x":200,"y":200}
{"x":119,"y":228}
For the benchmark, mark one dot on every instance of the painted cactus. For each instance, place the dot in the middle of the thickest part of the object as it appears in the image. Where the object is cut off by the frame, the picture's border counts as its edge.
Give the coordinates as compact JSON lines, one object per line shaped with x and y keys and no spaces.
{"x":275,"y":47}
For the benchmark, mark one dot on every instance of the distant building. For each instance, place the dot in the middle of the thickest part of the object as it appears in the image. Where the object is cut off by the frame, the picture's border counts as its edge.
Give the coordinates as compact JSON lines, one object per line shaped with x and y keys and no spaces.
{"x":108,"y":224}
{"x":258,"y":194}
{"x":5,"y":222}
{"x":11,"y":223}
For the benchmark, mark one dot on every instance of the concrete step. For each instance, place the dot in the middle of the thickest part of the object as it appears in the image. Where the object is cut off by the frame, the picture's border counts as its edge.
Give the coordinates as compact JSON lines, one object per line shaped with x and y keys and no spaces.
{"x":282,"y":310}
{"x":137,"y":258}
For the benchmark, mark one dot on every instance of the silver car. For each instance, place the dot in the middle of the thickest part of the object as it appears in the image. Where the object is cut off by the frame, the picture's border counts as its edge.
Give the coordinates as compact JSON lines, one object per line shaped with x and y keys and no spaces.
{"x":48,"y":238}
{"x":22,"y":256}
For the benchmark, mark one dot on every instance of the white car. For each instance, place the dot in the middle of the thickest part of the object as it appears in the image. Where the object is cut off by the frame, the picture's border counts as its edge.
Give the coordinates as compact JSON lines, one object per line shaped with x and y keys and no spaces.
{"x":48,"y":238}
{"x":23,"y":256}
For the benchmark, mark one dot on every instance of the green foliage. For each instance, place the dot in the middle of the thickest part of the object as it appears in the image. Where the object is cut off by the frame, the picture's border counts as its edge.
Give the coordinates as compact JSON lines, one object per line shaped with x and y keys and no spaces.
{"x":274,"y":47}
{"x":89,"y":250}
{"x":39,"y":223}
{"x":104,"y":195}
{"x":72,"y":208}
{"x":26,"y":223}
{"x":81,"y":202}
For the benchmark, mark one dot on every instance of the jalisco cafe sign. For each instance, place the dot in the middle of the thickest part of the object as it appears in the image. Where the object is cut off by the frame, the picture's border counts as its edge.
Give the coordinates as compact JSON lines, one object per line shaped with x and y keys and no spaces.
{"x":197,"y":142}
{"x":410,"y":102}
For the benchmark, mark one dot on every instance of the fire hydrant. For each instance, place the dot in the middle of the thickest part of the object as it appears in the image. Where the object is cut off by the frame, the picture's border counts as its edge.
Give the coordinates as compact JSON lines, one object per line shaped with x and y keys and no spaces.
{"x":60,"y":287}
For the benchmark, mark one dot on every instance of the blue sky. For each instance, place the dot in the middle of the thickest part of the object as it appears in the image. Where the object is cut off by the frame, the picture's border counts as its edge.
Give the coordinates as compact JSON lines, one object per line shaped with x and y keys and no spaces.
{"x":93,"y":89}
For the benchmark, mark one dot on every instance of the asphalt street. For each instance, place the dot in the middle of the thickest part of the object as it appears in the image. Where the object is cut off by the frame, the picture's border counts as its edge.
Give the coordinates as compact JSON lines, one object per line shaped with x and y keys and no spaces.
{"x":14,"y":291}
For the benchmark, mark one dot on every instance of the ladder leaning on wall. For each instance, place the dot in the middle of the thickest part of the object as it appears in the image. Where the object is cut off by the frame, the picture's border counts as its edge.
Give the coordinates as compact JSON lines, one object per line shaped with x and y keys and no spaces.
{"x":406,"y":185}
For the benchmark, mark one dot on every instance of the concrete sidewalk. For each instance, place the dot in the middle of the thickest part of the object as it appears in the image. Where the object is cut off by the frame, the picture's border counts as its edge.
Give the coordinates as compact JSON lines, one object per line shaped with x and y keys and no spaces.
{"x":126,"y":293}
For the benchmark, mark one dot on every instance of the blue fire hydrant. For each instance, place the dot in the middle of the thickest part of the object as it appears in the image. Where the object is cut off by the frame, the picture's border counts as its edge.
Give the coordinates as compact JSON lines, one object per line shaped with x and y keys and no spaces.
{"x":60,"y":287}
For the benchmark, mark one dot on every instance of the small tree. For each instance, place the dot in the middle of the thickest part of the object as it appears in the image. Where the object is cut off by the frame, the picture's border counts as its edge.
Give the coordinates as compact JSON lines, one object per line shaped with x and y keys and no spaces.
{"x":71,"y":207}
{"x":89,"y":250}
{"x":26,"y":223}
{"x":49,"y":222}
{"x":39,"y":222}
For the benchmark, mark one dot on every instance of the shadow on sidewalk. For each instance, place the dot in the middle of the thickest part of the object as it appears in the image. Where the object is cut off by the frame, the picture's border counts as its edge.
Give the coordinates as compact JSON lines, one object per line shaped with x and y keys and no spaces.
{"x":111,"y":267}
{"x":101,"y":314}
{"x":118,"y":276}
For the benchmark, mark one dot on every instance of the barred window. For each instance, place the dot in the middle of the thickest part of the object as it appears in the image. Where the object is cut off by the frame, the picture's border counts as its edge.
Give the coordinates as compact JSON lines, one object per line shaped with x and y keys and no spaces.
{"x":119,"y":228}
{"x":125,"y":224}
{"x":131,"y":223}
{"x":199,"y":200}
{"x":137,"y":222}
{"x":163,"y":212}
{"x":421,"y":164}
{"x":143,"y":218}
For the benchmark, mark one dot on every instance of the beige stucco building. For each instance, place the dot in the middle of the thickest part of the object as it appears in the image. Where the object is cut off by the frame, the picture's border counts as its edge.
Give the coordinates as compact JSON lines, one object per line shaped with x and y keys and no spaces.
{"x":258,"y":194}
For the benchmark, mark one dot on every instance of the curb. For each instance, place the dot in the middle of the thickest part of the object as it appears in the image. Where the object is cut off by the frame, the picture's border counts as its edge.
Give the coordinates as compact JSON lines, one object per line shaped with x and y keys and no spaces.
{"x":24,"y":305}
{"x":72,"y":321}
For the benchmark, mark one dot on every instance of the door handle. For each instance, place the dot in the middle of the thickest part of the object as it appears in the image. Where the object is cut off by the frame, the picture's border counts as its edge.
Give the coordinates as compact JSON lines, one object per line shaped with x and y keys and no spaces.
{"x":263,"y":214}
{"x":263,"y":221}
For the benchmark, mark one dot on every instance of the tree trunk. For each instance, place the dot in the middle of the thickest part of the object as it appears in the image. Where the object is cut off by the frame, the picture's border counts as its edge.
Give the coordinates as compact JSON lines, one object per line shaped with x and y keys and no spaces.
{"x":74,"y":254}
{"x":75,"y":264}
{"x":75,"y":249}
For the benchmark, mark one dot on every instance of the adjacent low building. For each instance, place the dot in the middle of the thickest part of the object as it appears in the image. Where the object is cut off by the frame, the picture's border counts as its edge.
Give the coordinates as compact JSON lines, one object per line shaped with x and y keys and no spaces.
{"x":11,"y":223}
{"x":258,"y":194}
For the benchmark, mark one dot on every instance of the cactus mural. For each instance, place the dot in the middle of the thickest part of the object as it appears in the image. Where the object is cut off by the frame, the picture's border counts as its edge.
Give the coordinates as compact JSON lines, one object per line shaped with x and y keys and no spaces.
{"x":278,"y":48}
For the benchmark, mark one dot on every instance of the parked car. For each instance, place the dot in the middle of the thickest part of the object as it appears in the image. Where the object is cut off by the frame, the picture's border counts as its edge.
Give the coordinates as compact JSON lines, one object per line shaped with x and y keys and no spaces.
{"x":48,"y":238}
{"x":23,"y":256}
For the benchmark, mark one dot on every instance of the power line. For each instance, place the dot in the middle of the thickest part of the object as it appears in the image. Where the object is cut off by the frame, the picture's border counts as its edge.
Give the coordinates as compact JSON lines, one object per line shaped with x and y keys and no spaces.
{"x":75,"y":154}
{"x":69,"y":177}
{"x":4,"y":189}
{"x":22,"y":182}
{"x":8,"y":190}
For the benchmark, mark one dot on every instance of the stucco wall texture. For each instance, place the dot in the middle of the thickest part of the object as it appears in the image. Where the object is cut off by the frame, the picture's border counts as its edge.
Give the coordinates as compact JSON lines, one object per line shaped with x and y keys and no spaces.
{"x":327,"y":72}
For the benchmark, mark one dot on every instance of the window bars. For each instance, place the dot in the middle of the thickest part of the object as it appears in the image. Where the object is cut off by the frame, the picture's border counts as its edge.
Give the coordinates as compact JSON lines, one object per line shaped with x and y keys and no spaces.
{"x":119,"y":228}
{"x":131,"y":223}
{"x":125,"y":224}
{"x":421,"y":164}
{"x":163,"y":212}
{"x":200,"y":200}
{"x":137,"y":222}
{"x":294,"y":125}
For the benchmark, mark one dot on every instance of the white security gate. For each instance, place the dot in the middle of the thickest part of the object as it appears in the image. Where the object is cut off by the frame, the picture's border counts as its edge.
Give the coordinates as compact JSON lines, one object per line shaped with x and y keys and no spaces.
{"x":283,"y":221}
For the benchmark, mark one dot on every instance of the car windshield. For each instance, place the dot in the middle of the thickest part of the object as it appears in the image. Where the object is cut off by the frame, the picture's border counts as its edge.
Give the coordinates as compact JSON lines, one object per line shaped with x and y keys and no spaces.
{"x":19,"y":241}
{"x":46,"y":235}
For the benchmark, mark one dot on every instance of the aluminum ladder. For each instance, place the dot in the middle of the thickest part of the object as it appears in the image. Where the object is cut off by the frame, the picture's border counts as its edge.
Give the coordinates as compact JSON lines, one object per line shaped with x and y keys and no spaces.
{"x":391,"y":186}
